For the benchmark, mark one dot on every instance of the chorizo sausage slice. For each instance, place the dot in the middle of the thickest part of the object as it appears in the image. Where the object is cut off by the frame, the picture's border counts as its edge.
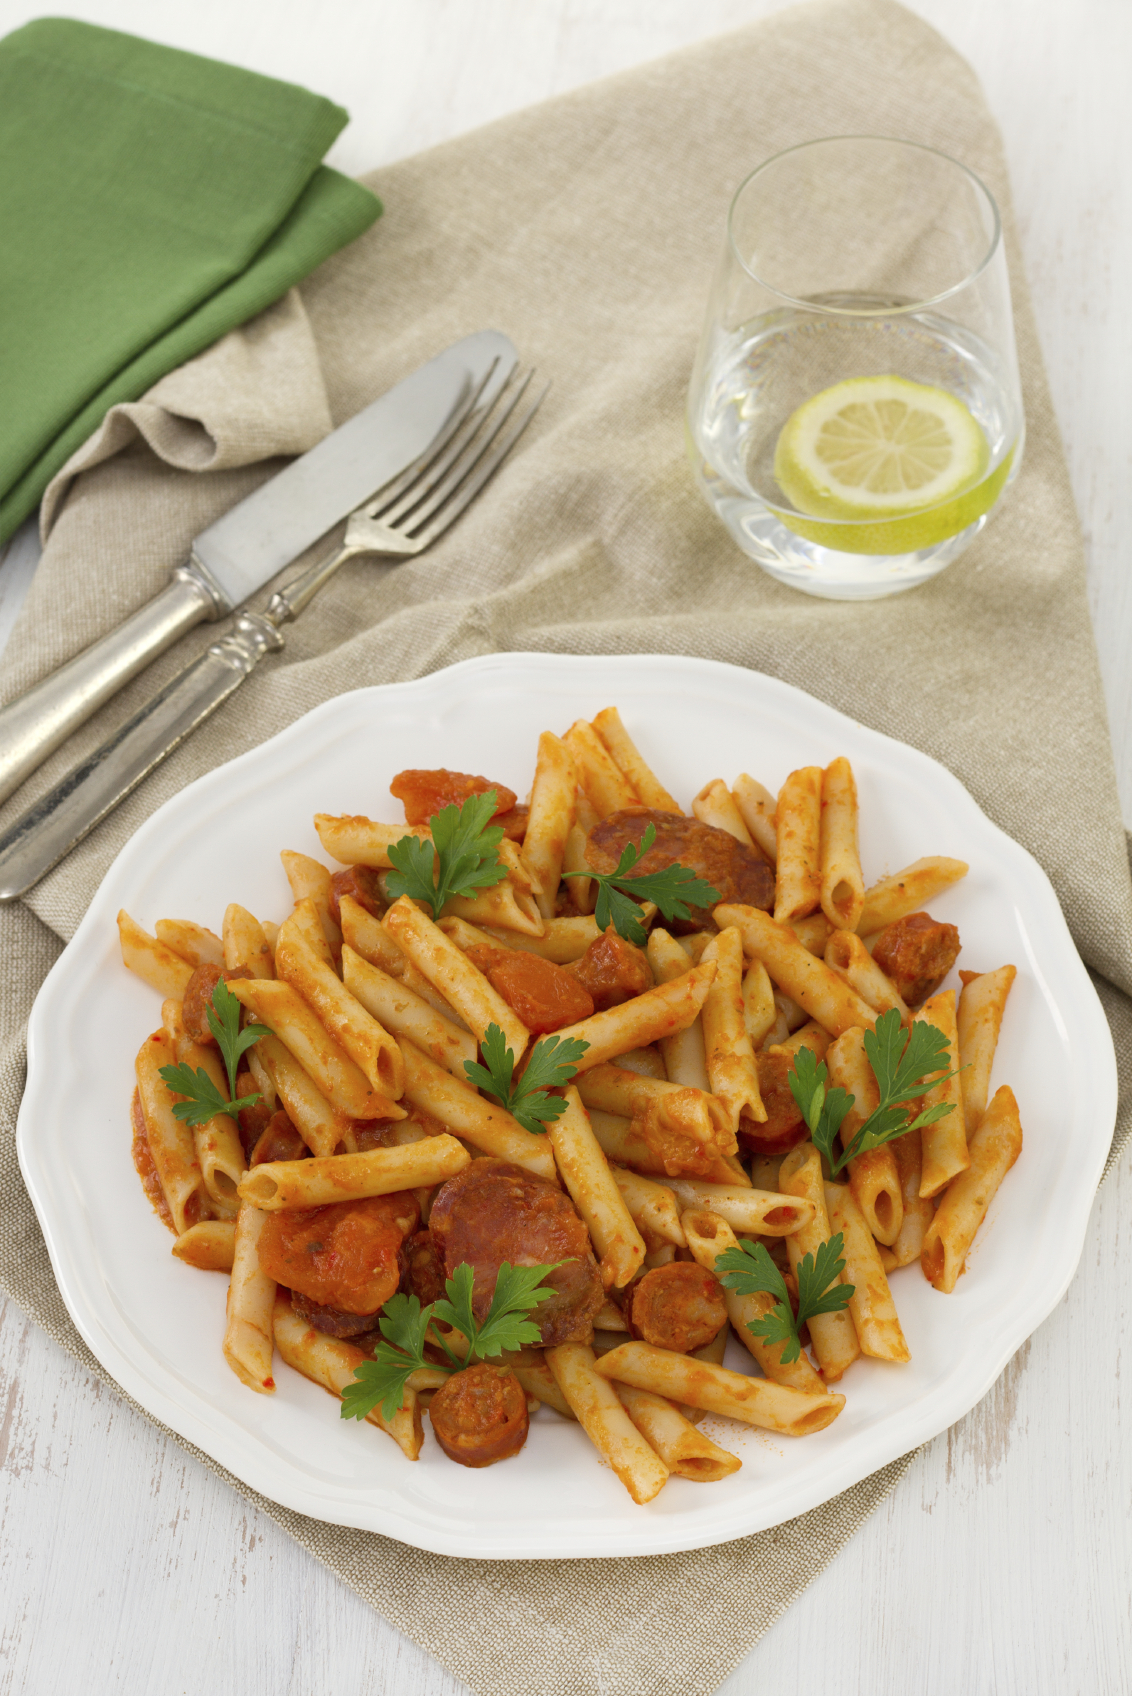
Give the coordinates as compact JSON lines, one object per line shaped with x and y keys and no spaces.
{"x":916,"y":953}
{"x":361,"y":884}
{"x":494,"y":1211}
{"x":679,"y":1306}
{"x":332,"y":1321}
{"x":784,"y":1125}
{"x":739,"y":873}
{"x":279,"y":1140}
{"x":346,"y":1255}
{"x":480,"y":1415}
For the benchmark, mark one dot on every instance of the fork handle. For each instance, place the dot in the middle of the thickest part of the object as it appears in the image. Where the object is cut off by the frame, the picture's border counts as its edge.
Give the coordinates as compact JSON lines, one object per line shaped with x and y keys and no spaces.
{"x":40,"y":837}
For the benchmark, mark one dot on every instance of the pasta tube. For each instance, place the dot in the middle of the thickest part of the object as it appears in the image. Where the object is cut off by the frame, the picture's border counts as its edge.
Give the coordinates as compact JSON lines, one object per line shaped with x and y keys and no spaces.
{"x":562,"y":940}
{"x":847,"y":955}
{"x":685,"y":1061}
{"x":760,"y":1011}
{"x":659,"y":1012}
{"x":450,"y":971}
{"x":873,"y":1177}
{"x":630,"y":763}
{"x":305,"y":926}
{"x":945,"y":1142}
{"x":251,"y":1297}
{"x":757,"y":807}
{"x":842,"y":886}
{"x":755,"y":1401}
{"x":331,"y":1363}
{"x":759,"y":1211}
{"x":368,"y":937}
{"x":151,"y":960}
{"x":358,"y":841}
{"x":484,"y":1124}
{"x":687,"y":1112}
{"x":322,"y":1180}
{"x":310,"y":881}
{"x":406,"y":1014}
{"x":652,"y":1206}
{"x":709,"y":1236}
{"x":995,"y":1147}
{"x":585,"y":1172}
{"x":210,"y":1246}
{"x":343,"y":1083}
{"x":321,"y":1128}
{"x":606,"y":789}
{"x":246,"y":948}
{"x":367,"y":1043}
{"x":170,"y":1139}
{"x":714,"y":805}
{"x":686,"y":1452}
{"x":833,"y":1335}
{"x":595,"y":1404}
{"x":918,"y":1210}
{"x":982,"y":1002}
{"x":551,"y":818}
{"x":797,"y":884}
{"x":805,"y":979}
{"x":907,"y":891}
{"x":728,"y":1051}
{"x":193,"y":942}
{"x":219,"y":1151}
{"x":873,"y":1309}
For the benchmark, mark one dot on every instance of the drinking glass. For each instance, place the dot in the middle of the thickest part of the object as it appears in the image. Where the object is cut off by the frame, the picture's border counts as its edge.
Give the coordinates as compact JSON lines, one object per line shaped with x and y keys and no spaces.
{"x":855,"y":412}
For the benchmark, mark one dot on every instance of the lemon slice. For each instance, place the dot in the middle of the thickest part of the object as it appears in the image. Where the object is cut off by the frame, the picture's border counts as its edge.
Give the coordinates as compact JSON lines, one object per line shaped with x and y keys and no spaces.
{"x":890,"y":465}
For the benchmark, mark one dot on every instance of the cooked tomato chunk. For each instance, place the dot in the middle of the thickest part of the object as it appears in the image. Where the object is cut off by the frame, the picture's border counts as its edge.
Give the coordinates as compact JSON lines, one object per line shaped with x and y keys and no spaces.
{"x":494,"y":1211}
{"x":424,"y":793}
{"x":784,"y":1125}
{"x":544,"y":995}
{"x":346,"y":1255}
{"x":738,"y":872}
{"x":480,"y":1415}
{"x":917,"y":952}
{"x":679,"y":1306}
{"x":279,"y":1140}
{"x":514,"y":822}
{"x":613,"y":970}
{"x":362,"y":885}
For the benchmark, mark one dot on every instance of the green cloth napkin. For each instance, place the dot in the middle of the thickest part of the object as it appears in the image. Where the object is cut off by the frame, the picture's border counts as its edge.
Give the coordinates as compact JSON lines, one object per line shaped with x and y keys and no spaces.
{"x":150,"y":201}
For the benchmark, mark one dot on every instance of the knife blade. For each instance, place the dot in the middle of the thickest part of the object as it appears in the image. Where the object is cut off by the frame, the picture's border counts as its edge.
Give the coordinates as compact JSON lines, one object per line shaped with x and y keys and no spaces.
{"x":239,"y":553}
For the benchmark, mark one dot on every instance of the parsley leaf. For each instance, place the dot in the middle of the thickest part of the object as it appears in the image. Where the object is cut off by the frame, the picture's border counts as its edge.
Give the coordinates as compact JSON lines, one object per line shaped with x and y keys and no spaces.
{"x":552,"y":1064}
{"x":462,"y":856}
{"x":203,"y":1100}
{"x":904,"y":1064}
{"x":673,"y":889}
{"x":749,"y":1270}
{"x":404,"y":1326}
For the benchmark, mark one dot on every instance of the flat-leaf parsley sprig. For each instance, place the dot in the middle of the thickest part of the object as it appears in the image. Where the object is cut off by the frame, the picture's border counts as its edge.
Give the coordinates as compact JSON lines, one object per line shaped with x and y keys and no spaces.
{"x":904,"y":1064}
{"x":405,"y":1326}
{"x":673,"y":889}
{"x":552,"y":1064}
{"x":462,"y":857}
{"x":203,"y":1101}
{"x":749,"y":1270}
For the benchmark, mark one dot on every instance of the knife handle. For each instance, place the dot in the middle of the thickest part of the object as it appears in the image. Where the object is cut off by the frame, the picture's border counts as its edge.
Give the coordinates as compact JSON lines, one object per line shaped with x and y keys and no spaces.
{"x":34,"y":725}
{"x":40,"y":837}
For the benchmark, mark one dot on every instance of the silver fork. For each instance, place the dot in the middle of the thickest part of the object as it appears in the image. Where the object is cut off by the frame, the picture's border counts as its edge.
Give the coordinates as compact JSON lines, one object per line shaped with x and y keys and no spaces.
{"x":400,"y":521}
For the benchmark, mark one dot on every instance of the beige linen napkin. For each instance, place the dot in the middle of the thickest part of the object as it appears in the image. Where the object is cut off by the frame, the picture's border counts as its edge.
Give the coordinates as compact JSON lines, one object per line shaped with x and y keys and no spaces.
{"x":588,"y":229}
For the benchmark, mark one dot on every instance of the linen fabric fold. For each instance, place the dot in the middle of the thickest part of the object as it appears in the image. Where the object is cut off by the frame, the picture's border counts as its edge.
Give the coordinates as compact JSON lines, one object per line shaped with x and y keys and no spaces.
{"x":150,"y":200}
{"x":588,"y":230}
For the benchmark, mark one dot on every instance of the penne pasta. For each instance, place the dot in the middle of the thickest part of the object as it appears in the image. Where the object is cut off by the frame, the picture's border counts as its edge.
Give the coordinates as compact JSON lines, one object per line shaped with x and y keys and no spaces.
{"x":806,"y":979}
{"x":872,"y":1307}
{"x":320,"y":1181}
{"x":797,"y":882}
{"x":995,"y":1147}
{"x":484,"y":1124}
{"x":344,"y":1084}
{"x":194,"y":943}
{"x":674,"y":1107}
{"x":767,"y":1214}
{"x":585,"y":1173}
{"x":627,"y":758}
{"x":760,"y":1010}
{"x":833,"y":1336}
{"x":847,"y":955}
{"x":219,"y":1151}
{"x":686,"y":1452}
{"x":907,"y":891}
{"x":310,"y":881}
{"x":659,"y":1012}
{"x":757,"y":808}
{"x":358,"y":841}
{"x":982,"y":1002}
{"x":450,"y":972}
{"x":596,"y":1406}
{"x":209,"y":1246}
{"x":842,"y":886}
{"x":406,"y":1014}
{"x":152,"y":961}
{"x":540,"y":1382}
{"x":170,"y":1140}
{"x":873,"y":1177}
{"x":813,"y":933}
{"x":551,"y":818}
{"x":727,"y":1046}
{"x":709,"y":1236}
{"x":755,"y":1401}
{"x":246,"y":947}
{"x":562,"y":941}
{"x":367,"y":1043}
{"x":330,"y":1362}
{"x":685,"y":1059}
{"x":305,"y":927}
{"x":919,"y":1210}
{"x":652,"y":1206}
{"x":504,"y":904}
{"x":368,"y":937}
{"x":322,"y":1128}
{"x":945,"y":1142}
{"x":248,"y":1341}
{"x":714,"y":805}
{"x":605,"y":788}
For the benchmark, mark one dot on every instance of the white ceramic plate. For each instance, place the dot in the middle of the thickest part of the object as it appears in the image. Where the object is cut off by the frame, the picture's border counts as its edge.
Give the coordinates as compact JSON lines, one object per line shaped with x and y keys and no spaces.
{"x":157,"y":1325}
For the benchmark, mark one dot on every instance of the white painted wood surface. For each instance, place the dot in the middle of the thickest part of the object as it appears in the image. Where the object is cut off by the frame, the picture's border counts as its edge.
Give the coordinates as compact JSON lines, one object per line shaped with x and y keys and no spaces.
{"x":1002,"y":1565}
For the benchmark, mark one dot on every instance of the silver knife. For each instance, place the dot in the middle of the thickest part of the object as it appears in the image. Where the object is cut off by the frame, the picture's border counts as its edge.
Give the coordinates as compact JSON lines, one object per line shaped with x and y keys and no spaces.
{"x":245,"y":548}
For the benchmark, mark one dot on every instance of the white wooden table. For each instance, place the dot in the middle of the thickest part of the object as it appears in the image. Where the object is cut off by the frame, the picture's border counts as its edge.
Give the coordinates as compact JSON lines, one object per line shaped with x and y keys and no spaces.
{"x":1003,"y":1562}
